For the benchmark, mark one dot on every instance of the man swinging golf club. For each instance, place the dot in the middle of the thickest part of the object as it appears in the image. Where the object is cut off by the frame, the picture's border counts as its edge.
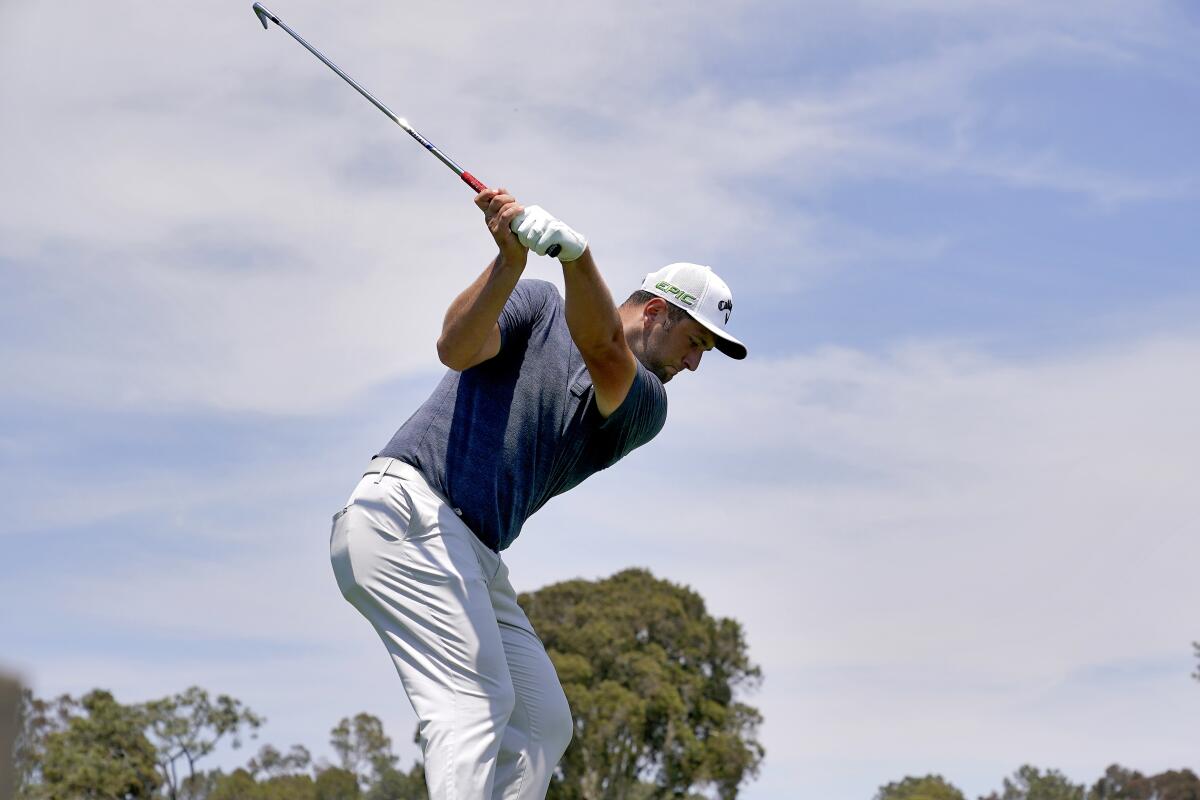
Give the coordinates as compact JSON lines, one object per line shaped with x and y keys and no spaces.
{"x":541,"y":393}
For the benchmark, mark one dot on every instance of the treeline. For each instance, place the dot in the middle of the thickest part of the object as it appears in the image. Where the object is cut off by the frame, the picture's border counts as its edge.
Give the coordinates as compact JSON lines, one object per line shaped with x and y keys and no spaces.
{"x":654,"y":681}
{"x":1031,"y":783}
{"x":95,"y":747}
{"x":655,"y":685}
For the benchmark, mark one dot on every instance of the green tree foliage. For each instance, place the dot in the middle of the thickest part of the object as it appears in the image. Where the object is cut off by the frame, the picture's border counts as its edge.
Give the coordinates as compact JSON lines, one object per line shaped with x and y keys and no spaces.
{"x":272,"y":763}
{"x":1120,"y":783}
{"x":101,"y":752}
{"x":239,"y":785}
{"x":187,"y":727}
{"x":1030,"y":783}
{"x":1182,"y":784}
{"x":273,"y":776}
{"x":336,"y":783}
{"x":930,"y":787}
{"x":94,"y":748}
{"x":652,"y":680}
{"x":362,"y":747}
{"x":365,"y":751}
{"x":288,"y":787}
{"x":36,"y":720}
{"x":392,"y":784}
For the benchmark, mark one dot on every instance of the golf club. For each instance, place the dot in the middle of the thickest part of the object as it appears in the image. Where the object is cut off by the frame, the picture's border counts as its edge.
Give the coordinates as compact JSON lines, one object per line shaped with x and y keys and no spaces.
{"x":264,"y":14}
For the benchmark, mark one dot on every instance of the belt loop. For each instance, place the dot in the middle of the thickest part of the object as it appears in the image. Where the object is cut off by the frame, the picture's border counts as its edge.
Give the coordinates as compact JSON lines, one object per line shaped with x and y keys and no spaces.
{"x":384,"y":469}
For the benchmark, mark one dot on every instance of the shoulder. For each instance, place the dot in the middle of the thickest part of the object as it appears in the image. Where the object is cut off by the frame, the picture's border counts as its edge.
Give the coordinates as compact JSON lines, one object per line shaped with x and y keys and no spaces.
{"x":655,"y":395}
{"x":532,"y":300}
{"x":643,"y":412}
{"x":532,"y":304}
{"x":536,"y":289}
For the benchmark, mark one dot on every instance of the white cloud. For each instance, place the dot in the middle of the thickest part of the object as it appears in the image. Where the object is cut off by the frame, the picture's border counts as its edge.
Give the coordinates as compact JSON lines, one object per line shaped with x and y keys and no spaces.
{"x":203,"y":216}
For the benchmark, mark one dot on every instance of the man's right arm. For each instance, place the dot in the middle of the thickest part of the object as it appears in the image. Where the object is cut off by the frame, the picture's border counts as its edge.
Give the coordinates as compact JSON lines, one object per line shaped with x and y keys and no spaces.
{"x":470,"y":331}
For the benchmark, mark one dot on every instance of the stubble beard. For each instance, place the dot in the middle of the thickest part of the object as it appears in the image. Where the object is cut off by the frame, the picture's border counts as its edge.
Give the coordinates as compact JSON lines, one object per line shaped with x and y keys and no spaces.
{"x":651,"y":360}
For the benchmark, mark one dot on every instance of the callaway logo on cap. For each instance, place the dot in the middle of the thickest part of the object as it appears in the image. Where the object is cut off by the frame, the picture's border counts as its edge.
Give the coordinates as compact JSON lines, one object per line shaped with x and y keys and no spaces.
{"x":697,"y":290}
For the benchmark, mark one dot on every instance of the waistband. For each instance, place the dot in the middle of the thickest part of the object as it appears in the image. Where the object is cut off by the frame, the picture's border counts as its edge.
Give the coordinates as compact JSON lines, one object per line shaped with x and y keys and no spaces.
{"x":381,"y":465}
{"x":394,"y":468}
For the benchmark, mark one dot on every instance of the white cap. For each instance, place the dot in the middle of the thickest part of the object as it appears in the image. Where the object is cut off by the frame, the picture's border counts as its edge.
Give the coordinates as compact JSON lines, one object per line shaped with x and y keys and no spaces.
{"x":697,"y":290}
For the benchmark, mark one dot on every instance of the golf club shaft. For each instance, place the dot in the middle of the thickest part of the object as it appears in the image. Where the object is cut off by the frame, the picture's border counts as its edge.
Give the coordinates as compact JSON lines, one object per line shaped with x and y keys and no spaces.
{"x":263,"y":15}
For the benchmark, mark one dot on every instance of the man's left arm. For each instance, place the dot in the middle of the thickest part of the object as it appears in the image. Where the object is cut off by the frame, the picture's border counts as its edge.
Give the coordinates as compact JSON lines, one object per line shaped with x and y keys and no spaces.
{"x":596,"y":330}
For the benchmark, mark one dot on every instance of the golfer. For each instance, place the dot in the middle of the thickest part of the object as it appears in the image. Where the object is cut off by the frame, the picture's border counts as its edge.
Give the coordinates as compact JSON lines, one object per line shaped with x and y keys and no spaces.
{"x":541,"y":392}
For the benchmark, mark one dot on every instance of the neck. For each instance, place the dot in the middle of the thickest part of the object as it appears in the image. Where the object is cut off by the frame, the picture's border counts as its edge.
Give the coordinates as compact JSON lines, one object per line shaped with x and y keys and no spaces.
{"x":634,"y":329}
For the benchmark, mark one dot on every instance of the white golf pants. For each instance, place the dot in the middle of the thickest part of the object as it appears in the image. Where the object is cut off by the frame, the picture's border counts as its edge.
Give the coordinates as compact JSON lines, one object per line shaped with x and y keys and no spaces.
{"x":493,"y":719}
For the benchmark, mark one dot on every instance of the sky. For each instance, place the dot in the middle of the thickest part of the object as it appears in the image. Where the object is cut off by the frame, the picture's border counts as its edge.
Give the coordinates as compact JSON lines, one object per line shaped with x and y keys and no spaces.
{"x":949,"y":494}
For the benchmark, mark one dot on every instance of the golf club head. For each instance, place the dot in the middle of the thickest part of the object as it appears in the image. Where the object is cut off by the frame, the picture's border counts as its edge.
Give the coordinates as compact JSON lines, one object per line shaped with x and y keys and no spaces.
{"x":261,"y":12}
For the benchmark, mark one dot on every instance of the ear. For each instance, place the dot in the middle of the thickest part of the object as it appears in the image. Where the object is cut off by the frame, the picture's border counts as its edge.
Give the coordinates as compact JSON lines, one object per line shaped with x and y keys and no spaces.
{"x":655,"y":310}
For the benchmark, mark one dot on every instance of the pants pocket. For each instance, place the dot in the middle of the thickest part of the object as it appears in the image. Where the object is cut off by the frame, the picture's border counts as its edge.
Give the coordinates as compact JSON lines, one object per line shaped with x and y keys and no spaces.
{"x":339,"y":554}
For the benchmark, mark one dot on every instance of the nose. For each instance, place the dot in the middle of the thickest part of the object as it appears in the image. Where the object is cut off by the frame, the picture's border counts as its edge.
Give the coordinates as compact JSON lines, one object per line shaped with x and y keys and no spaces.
{"x":692,"y":359}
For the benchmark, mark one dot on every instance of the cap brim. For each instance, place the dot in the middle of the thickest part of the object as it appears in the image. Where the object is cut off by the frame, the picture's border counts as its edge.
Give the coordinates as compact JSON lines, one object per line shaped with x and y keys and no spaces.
{"x":725,"y":343}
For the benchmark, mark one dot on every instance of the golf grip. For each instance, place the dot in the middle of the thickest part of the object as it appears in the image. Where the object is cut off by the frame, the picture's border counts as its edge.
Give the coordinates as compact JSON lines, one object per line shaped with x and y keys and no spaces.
{"x":477,"y":185}
{"x":472,"y":181}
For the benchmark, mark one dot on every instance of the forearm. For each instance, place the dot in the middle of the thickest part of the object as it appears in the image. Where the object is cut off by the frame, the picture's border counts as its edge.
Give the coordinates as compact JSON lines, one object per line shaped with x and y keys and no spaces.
{"x":474,"y":313}
{"x":592,"y":317}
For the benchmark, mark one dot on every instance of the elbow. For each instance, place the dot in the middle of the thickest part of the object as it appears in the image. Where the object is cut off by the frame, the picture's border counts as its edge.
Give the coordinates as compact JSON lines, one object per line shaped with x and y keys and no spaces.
{"x":604,"y":347}
{"x":448,"y":357}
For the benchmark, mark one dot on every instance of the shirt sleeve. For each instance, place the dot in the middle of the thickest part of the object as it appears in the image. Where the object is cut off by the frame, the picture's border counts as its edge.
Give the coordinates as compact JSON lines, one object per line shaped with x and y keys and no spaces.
{"x":531,"y":302}
{"x":640,"y":416}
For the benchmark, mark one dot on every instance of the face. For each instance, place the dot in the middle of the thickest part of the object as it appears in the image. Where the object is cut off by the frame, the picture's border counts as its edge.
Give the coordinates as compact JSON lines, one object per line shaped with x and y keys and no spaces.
{"x":671,"y":348}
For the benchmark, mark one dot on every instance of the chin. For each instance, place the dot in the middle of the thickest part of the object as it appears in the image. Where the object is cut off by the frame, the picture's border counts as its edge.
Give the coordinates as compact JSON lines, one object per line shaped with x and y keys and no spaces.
{"x":660,"y":371}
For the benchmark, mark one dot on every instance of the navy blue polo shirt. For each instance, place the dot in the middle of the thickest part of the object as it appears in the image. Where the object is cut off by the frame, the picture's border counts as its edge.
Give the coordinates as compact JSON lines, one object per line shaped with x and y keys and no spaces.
{"x":500,"y":439}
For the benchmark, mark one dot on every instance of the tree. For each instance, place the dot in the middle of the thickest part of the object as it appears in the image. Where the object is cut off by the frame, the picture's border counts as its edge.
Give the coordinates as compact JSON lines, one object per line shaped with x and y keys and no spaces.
{"x":392,"y":784}
{"x":188,"y":726}
{"x":1029,"y":783}
{"x":362,"y":747}
{"x":1120,"y":783}
{"x":336,"y":783}
{"x":365,"y":751}
{"x":100,"y":753}
{"x":1173,"y":784}
{"x":238,"y":785}
{"x":241,"y":785}
{"x":272,"y":763}
{"x":36,"y":720}
{"x":652,"y":680}
{"x":288,"y":787}
{"x":930,"y":787}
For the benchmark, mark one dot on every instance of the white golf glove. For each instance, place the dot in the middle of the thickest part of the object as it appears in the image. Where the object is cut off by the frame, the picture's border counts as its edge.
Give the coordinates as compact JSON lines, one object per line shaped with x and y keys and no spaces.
{"x":539,"y":231}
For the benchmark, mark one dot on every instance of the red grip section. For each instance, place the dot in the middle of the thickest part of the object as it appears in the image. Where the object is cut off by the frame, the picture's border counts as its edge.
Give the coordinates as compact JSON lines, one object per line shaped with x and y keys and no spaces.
{"x":472,"y":181}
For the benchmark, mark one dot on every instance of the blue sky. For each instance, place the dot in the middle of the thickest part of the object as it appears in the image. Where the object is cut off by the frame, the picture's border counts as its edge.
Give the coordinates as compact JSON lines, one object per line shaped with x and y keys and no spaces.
{"x":949,"y":495}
